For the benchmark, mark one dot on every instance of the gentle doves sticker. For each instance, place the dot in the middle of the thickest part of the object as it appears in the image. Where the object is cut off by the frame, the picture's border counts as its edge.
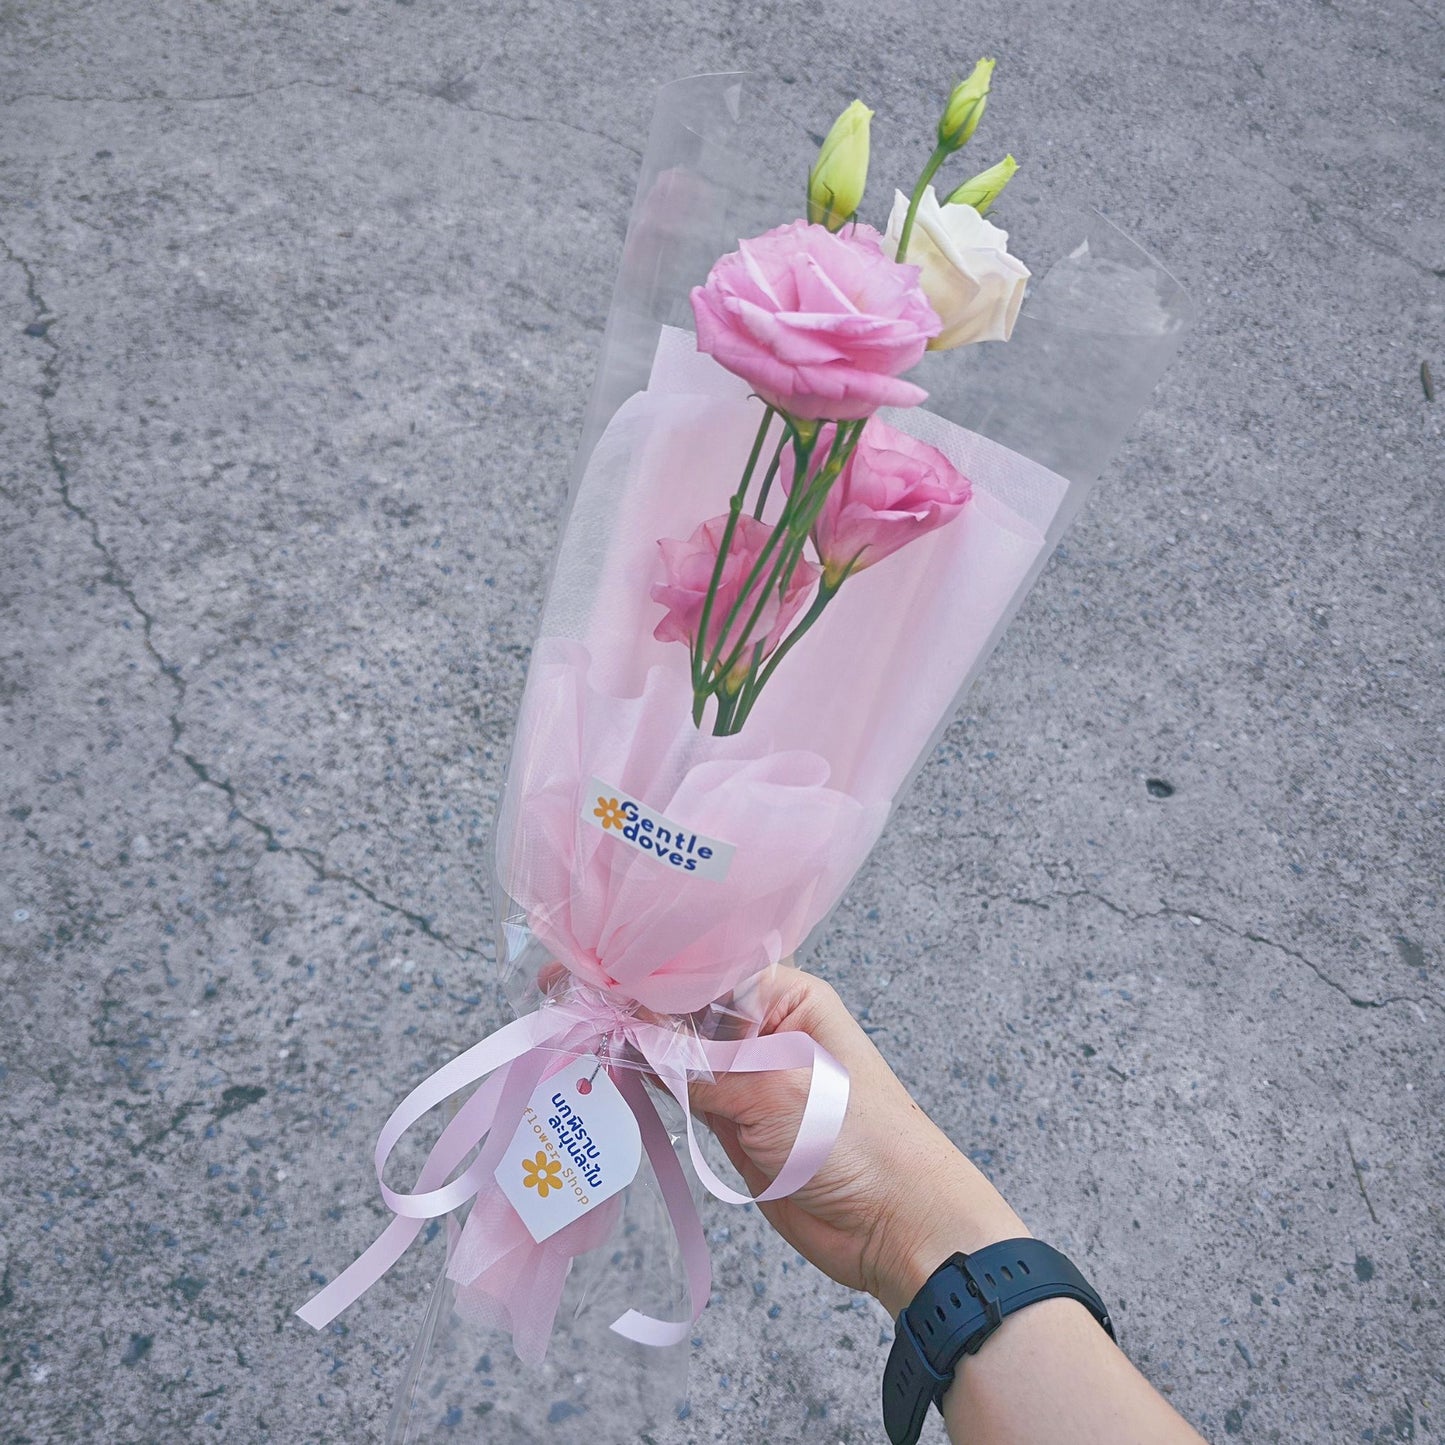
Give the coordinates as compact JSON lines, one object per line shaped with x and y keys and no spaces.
{"x":671,"y":844}
{"x":577,"y":1145}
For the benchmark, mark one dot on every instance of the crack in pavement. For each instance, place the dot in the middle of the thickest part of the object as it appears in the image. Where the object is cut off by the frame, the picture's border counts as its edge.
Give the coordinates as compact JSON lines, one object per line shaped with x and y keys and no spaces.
{"x":444,"y":94}
{"x":1194,"y":916}
{"x":43,"y":317}
{"x":313,"y":858}
{"x":1359,"y":1176}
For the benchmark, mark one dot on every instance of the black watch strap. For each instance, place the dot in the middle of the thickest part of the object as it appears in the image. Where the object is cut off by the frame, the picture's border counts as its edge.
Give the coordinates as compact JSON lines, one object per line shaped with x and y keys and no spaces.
{"x":960,"y":1305}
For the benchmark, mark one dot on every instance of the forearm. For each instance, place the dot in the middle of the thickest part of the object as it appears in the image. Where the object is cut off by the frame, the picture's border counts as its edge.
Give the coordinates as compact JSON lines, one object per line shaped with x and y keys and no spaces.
{"x":1049,"y":1375}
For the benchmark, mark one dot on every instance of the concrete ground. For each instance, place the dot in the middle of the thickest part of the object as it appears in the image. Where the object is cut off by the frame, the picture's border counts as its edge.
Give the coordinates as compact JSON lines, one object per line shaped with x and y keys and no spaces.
{"x":299,"y":305}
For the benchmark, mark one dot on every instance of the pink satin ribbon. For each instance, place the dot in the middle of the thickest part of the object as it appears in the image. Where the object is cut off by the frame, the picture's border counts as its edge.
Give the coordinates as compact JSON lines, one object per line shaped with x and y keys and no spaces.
{"x":510,"y":1063}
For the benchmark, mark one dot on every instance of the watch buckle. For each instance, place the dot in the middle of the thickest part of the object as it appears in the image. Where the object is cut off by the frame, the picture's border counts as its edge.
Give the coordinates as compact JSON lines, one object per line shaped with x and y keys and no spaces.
{"x":987,"y":1295}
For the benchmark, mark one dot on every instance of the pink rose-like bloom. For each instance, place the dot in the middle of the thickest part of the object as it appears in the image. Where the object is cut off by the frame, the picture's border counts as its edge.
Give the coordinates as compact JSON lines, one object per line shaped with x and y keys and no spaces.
{"x":820,"y":325}
{"x":688,"y":568}
{"x":892,"y":489}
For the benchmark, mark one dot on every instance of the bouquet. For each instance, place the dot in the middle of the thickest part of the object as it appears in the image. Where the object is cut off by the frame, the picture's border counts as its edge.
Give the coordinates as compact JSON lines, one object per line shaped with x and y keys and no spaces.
{"x":785,"y":556}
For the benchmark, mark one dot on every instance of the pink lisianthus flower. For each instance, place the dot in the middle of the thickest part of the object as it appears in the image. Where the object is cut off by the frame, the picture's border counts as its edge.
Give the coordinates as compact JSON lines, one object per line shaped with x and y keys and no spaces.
{"x":820,"y":325}
{"x":892,"y":489}
{"x":688,"y":568}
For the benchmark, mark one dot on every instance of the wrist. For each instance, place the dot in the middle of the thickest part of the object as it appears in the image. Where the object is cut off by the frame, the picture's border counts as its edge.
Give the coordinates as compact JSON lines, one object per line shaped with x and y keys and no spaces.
{"x":957,"y":1213}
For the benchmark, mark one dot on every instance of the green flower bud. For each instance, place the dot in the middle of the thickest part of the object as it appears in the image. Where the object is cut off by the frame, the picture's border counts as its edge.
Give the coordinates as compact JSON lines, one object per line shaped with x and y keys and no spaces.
{"x":965,"y":107}
{"x":983,"y":190}
{"x":836,"y":182}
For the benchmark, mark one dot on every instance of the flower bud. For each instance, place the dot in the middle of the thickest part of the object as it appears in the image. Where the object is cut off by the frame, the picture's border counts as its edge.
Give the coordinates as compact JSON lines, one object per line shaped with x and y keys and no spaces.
{"x":835,"y":184}
{"x":965,"y":107}
{"x":983,"y":190}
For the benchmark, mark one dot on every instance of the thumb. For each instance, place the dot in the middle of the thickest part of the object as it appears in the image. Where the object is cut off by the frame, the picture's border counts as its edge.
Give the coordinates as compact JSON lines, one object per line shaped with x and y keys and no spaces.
{"x":725,"y":1096}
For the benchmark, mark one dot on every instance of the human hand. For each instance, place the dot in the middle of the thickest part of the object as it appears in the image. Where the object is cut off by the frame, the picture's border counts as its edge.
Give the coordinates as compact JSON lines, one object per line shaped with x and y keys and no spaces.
{"x":894,"y":1198}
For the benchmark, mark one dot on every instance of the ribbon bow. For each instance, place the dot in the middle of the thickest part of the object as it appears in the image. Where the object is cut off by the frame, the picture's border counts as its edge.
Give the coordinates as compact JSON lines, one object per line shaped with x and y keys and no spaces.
{"x":510,"y":1063}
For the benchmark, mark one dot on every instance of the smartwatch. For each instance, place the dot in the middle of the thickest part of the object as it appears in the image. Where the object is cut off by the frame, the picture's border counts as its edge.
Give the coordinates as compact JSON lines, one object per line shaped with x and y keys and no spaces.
{"x":960,"y":1305}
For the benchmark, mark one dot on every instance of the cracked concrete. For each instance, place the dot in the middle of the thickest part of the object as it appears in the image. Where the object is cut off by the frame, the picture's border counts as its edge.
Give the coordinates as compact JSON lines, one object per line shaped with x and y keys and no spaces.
{"x":300,"y":309}
{"x":1222,"y":927}
{"x":114,"y":577}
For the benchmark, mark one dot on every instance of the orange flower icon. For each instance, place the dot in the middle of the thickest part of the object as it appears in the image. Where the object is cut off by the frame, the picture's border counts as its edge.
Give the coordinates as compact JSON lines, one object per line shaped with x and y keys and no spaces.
{"x":542,"y":1174}
{"x":610,"y":811}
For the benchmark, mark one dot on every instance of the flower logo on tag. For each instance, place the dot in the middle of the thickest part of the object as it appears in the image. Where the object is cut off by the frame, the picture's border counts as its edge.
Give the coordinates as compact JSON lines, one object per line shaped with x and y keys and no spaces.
{"x":610,"y":811}
{"x":542,"y":1174}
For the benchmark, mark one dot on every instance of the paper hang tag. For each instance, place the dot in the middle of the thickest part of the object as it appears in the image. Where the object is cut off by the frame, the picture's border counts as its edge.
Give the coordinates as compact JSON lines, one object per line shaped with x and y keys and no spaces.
{"x":577,"y":1145}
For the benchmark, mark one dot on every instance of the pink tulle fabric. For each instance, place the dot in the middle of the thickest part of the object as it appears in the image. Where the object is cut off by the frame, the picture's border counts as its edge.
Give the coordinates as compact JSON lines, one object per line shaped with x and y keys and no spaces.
{"x":615,"y":917}
{"x":504,"y":1279}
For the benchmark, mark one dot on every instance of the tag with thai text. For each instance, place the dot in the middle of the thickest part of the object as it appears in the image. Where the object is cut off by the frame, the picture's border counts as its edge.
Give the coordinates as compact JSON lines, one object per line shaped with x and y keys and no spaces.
{"x":577,"y":1145}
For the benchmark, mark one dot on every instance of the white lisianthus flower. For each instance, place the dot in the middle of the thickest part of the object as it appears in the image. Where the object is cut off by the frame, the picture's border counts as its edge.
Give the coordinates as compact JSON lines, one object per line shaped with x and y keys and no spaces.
{"x":970,"y":279}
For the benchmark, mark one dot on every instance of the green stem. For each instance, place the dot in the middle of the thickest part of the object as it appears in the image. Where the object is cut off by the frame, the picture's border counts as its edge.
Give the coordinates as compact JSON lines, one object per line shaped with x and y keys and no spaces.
{"x":845,"y":441}
{"x":735,"y":506}
{"x":715,"y":666}
{"x":750,"y":693}
{"x":803,"y":451}
{"x":815,"y":497}
{"x":938,"y":157}
{"x":768,"y":480}
{"x":727,"y":703}
{"x":801,"y":510}
{"x":845,"y":438}
{"x":809,"y":502}
{"x":795,"y":524}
